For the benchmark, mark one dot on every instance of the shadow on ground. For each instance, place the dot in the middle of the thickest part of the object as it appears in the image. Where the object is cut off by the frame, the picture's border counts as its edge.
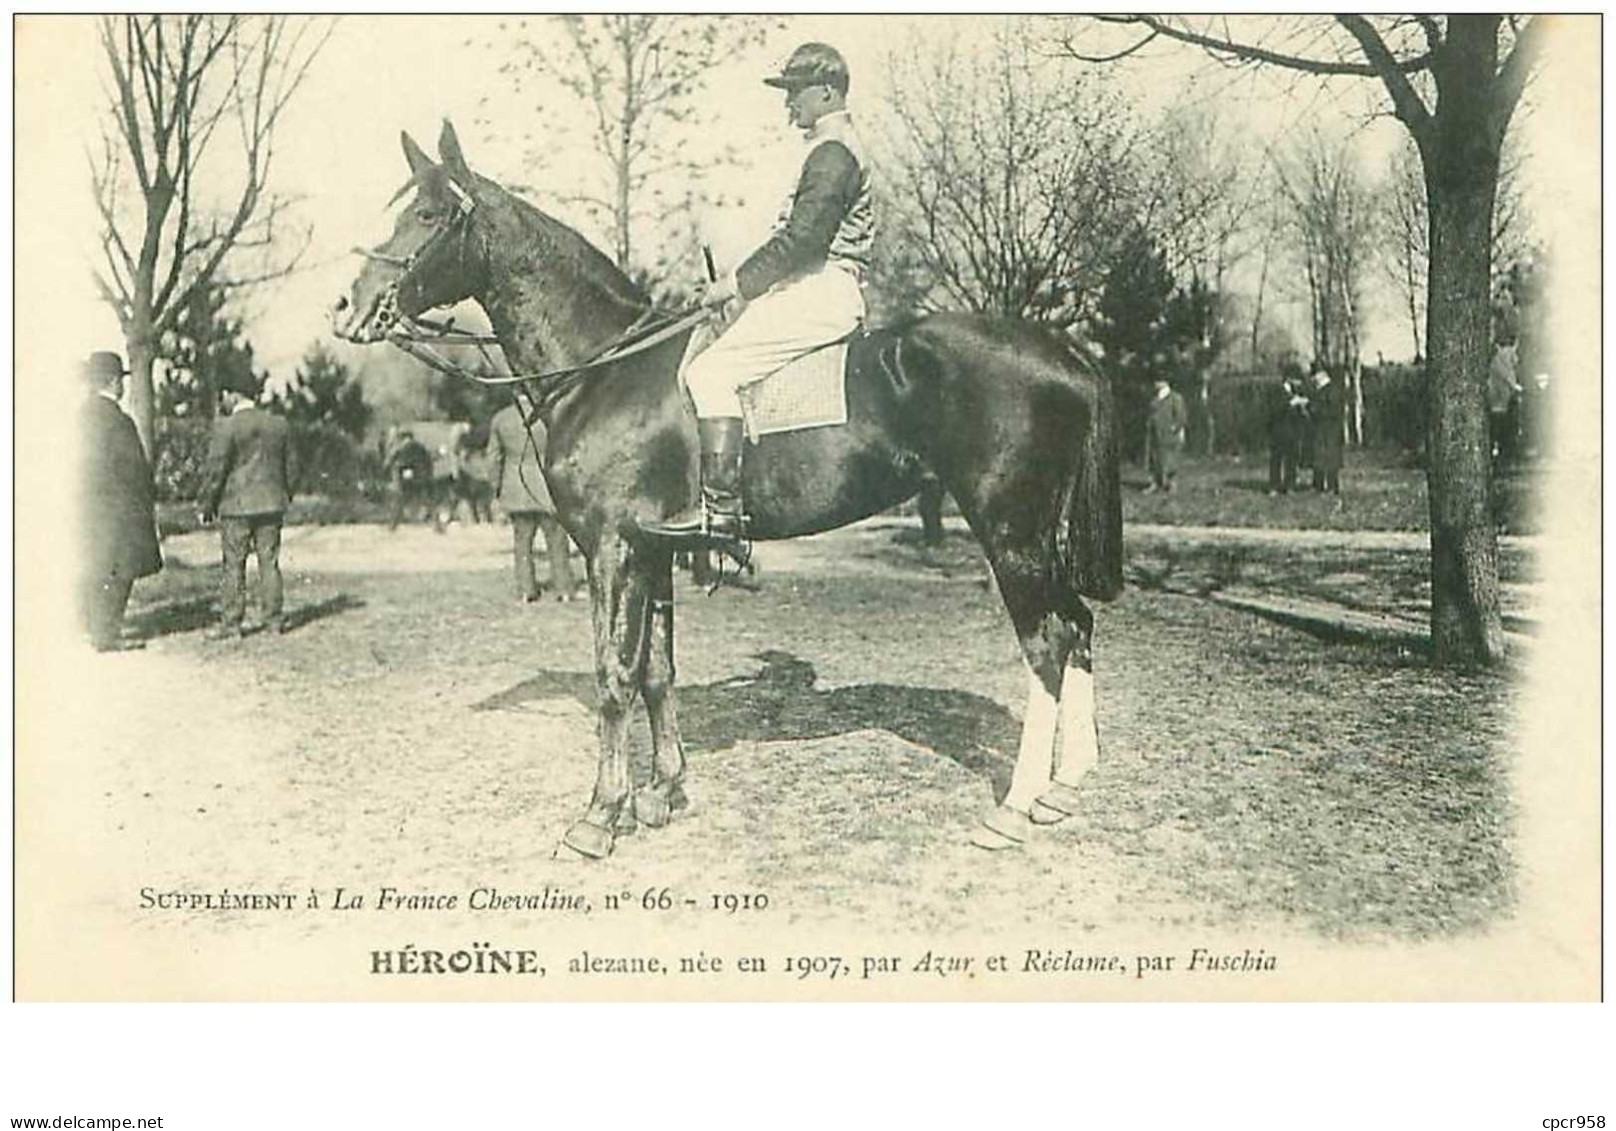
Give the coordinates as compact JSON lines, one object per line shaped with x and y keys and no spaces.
{"x":781,"y":704}
{"x":193,"y":614}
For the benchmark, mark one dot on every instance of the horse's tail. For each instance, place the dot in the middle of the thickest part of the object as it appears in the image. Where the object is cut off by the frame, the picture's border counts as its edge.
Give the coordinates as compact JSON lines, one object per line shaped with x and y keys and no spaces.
{"x":1088,"y":538}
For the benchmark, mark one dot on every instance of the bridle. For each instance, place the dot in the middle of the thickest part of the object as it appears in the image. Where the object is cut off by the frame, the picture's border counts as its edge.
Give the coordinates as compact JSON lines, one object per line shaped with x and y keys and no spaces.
{"x":387,"y":315}
{"x":416,"y":335}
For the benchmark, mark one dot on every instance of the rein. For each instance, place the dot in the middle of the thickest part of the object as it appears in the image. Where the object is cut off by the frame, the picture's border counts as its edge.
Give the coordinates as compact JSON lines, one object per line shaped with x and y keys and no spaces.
{"x":415,"y":336}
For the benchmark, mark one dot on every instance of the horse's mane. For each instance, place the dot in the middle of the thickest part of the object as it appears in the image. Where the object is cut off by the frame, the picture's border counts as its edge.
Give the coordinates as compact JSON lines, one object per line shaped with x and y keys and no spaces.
{"x":571,"y":246}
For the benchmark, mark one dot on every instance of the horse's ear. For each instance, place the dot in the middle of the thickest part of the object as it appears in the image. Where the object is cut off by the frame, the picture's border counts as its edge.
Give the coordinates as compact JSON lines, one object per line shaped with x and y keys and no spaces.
{"x":414,"y":154}
{"x":453,"y":160}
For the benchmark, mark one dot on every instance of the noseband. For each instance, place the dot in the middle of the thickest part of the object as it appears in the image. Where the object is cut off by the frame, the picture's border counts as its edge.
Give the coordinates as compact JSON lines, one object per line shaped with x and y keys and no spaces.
{"x":387,"y":314}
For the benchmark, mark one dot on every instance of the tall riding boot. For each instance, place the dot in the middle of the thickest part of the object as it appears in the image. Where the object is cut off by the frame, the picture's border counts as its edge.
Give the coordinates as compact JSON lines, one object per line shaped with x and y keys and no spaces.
{"x":718,"y":515}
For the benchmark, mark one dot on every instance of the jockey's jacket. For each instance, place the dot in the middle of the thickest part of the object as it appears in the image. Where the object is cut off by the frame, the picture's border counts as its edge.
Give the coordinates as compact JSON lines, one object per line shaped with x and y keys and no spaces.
{"x":830,"y":217}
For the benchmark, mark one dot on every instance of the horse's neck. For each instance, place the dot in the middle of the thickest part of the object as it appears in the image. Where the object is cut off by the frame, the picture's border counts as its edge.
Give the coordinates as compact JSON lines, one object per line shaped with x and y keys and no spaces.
{"x":552,"y":299}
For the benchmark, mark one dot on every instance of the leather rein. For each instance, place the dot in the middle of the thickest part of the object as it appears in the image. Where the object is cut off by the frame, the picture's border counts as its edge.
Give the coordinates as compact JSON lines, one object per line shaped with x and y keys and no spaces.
{"x":417,"y":335}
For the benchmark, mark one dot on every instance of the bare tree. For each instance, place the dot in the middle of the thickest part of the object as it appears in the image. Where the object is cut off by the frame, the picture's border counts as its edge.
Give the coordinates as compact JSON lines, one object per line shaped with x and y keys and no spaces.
{"x":182,"y":171}
{"x":1405,"y":224}
{"x":1405,"y":248}
{"x":1206,"y":184}
{"x":1010,"y":178}
{"x":1333,"y":217}
{"x":1454,"y":81}
{"x":642,"y":78}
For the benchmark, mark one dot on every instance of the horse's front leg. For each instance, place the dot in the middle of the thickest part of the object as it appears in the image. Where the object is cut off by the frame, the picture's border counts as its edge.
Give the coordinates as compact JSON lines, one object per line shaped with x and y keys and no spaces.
{"x":619,"y":592}
{"x":665,"y":795}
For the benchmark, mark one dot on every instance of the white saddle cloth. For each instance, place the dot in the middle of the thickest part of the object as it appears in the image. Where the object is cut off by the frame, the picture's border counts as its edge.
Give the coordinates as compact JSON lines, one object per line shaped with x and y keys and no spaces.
{"x":810,"y":392}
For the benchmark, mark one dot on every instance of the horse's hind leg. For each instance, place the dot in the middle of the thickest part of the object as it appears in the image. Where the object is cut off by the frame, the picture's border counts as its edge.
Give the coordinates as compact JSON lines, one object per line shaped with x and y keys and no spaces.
{"x":665,"y":795}
{"x":619,"y":590}
{"x":1047,"y":640}
{"x":1078,"y":749}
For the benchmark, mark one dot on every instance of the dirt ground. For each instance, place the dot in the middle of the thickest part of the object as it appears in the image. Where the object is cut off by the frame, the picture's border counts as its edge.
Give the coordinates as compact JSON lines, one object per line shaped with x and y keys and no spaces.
{"x":846,"y":725}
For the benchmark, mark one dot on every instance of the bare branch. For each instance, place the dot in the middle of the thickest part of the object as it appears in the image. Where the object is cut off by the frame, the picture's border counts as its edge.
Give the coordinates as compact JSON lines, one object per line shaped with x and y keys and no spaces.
{"x":1410,"y":108}
{"x":1227,"y":46}
{"x":1523,"y":60}
{"x":1069,"y":47}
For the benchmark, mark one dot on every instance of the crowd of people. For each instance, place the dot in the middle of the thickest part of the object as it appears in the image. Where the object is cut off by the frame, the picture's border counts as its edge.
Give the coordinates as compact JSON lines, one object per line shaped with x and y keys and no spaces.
{"x":247,"y":490}
{"x":1305,"y":428}
{"x":1306,"y":424}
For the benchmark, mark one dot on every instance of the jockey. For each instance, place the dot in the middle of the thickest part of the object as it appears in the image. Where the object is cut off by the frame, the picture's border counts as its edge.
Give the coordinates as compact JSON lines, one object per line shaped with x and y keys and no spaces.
{"x":802,"y":287}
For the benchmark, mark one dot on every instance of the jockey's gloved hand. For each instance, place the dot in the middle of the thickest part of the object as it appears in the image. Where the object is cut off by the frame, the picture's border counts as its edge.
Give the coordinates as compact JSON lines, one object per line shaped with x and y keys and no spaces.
{"x":720,"y":291}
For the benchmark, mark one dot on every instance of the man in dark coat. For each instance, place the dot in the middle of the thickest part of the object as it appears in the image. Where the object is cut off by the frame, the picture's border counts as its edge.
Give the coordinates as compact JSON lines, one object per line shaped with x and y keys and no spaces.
{"x":410,"y":465}
{"x":117,"y":507}
{"x":1164,"y":435}
{"x":1326,"y":408}
{"x":1287,"y":421}
{"x":516,"y":464}
{"x":248,"y":489}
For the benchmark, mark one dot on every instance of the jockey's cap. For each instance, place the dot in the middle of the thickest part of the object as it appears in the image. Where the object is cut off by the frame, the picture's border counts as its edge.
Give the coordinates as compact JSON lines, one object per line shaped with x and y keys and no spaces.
{"x":812,"y":64}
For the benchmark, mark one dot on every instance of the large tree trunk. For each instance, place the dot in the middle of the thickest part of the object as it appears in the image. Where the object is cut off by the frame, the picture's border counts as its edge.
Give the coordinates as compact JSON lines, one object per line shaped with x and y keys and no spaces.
{"x":141,"y":395}
{"x":1461,"y":172}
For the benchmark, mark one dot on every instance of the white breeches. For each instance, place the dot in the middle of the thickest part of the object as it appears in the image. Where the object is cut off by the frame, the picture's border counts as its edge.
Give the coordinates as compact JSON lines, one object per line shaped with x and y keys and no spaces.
{"x":791,"y":319}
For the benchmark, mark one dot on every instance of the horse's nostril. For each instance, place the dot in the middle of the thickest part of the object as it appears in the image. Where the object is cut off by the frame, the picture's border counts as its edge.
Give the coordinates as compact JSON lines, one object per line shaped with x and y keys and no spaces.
{"x":342,"y":304}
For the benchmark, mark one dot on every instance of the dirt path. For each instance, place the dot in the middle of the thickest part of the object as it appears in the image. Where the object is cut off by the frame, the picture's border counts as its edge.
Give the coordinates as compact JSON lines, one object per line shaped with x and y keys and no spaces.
{"x":846,"y":726}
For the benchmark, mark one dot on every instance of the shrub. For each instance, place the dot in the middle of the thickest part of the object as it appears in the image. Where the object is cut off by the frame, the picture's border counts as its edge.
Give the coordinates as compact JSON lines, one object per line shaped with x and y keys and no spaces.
{"x":327,"y":462}
{"x":1396,"y":407}
{"x":1240,"y":404}
{"x":180,"y":467}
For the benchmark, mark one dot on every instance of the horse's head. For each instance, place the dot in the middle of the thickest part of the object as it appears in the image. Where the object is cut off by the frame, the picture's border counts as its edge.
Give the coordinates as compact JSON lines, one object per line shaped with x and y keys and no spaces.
{"x":430,"y":260}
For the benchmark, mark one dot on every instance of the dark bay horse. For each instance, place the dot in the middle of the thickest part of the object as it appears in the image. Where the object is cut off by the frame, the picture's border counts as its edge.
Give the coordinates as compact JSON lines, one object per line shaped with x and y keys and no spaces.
{"x":1019,"y":427}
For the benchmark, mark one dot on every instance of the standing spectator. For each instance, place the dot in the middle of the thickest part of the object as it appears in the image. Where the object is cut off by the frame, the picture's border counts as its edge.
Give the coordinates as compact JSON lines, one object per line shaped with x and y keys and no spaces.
{"x":472,"y":484}
{"x":1287,"y":421}
{"x":247,"y":491}
{"x":1164,"y":435}
{"x":117,"y":508}
{"x":410,"y":466}
{"x":1325,"y":406}
{"x":516,"y":464}
{"x":1503,"y":402}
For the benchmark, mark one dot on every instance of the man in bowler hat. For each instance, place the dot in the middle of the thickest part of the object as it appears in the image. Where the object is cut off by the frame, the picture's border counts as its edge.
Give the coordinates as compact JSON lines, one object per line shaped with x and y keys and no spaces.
{"x":117,"y":527}
{"x":1327,"y":409}
{"x":248,"y":478}
{"x":1165,"y":423}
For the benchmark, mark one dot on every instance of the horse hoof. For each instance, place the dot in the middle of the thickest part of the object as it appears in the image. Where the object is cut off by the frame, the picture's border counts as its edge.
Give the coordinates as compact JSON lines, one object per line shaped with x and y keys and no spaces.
{"x":626,"y":824}
{"x":1001,"y":829}
{"x":1058,"y":798}
{"x":651,"y":806}
{"x":657,"y":804}
{"x":587,"y":840}
{"x":1042,"y":813}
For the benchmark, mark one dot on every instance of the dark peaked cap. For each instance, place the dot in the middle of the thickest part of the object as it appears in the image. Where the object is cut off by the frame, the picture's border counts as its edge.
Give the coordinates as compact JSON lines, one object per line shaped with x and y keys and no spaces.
{"x":810,"y":65}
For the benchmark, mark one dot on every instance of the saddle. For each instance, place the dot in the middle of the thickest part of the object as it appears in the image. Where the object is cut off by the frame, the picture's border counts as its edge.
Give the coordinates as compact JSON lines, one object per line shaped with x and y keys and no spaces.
{"x":808,"y":392}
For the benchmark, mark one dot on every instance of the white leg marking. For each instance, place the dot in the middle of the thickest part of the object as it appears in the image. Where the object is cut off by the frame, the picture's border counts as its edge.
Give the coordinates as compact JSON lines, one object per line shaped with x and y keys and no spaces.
{"x":1080,"y":730}
{"x":1036,"y":759}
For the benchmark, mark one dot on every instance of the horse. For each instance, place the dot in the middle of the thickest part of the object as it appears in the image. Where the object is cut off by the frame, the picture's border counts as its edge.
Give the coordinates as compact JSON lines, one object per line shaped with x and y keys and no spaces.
{"x":1020,"y":427}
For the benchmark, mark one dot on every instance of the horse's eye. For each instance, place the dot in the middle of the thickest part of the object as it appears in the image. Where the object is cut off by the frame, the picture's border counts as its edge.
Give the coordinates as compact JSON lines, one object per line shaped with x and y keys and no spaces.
{"x":426,"y":216}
